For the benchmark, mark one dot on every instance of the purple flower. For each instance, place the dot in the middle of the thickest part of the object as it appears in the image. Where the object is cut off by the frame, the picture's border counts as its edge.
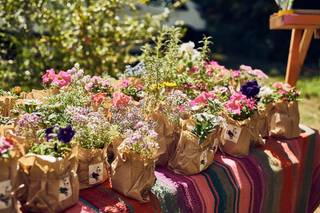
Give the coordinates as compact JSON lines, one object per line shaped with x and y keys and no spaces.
{"x":48,"y":133}
{"x":66,"y":134}
{"x":250,"y":89}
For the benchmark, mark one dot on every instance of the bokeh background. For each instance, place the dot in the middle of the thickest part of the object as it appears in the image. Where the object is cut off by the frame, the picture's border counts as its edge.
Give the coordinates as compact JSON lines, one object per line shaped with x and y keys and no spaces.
{"x":103,"y":36}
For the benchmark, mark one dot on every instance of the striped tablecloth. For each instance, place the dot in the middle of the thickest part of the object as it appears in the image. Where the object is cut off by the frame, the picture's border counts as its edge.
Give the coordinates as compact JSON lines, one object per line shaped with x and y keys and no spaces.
{"x":283,"y":176}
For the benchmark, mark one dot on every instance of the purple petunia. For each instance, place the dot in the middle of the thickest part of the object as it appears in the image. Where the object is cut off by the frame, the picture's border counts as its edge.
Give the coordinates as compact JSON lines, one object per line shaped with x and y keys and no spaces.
{"x":66,"y":134}
{"x":250,"y":89}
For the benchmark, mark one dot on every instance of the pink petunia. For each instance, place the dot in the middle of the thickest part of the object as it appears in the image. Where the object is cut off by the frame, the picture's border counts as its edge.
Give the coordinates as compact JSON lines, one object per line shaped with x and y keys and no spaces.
{"x":120,"y":100}
{"x":235,"y":74}
{"x":237,"y":102}
{"x":260,"y":74}
{"x":98,"y":98}
{"x":202,"y":98}
{"x":88,"y":86}
{"x":62,"y":79}
{"x":48,"y":77}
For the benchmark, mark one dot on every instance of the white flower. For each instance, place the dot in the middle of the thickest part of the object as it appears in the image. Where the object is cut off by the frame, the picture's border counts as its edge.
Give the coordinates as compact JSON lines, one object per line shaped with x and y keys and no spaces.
{"x":265,"y":91}
{"x":195,"y":55}
{"x":187,"y":47}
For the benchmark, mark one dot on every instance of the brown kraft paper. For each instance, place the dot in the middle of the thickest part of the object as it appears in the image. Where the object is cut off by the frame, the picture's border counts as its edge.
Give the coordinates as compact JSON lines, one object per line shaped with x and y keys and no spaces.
{"x":191,"y":157}
{"x":133,"y":176}
{"x":45,"y":185}
{"x":237,"y":136}
{"x":93,"y":167}
{"x":166,"y":138}
{"x":6,"y":105}
{"x":8,"y":171}
{"x":284,"y":120}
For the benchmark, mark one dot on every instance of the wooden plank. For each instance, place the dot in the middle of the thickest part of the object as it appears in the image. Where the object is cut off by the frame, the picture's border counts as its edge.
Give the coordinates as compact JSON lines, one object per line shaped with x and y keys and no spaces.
{"x":294,"y":21}
{"x":293,"y":58}
{"x":304,"y":46}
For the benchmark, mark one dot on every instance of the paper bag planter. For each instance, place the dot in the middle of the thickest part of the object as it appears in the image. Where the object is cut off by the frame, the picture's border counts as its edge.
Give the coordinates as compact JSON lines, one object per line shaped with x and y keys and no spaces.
{"x":195,"y":154}
{"x":284,"y":116}
{"x":93,"y":167}
{"x":8,"y":171}
{"x":46,"y":183}
{"x":133,"y":169}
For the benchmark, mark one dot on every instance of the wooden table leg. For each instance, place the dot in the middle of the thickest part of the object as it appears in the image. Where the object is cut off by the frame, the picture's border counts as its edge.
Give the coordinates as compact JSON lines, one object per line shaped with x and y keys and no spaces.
{"x":293,"y":58}
{"x":299,"y":45}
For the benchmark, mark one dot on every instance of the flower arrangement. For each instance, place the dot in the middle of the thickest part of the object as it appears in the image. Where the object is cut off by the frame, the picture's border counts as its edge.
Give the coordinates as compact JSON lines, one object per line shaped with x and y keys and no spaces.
{"x":6,"y":147}
{"x":93,"y":131}
{"x":285,"y":92}
{"x":205,"y":124}
{"x":240,"y":107}
{"x":142,"y":140}
{"x":57,"y":142}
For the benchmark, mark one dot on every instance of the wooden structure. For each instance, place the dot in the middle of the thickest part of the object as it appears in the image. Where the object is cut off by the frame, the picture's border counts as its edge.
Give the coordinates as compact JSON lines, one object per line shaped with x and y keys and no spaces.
{"x":304,"y":26}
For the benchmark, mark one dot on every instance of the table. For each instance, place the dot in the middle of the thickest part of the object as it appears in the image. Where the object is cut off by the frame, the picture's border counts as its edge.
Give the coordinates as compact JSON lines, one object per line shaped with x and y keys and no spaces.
{"x":283,"y":176}
{"x":303,"y":27}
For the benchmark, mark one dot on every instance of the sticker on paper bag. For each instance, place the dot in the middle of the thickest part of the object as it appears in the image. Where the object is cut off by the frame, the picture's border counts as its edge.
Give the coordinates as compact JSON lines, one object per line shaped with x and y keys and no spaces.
{"x":232,"y":133}
{"x":95,"y":173}
{"x":5,"y":199}
{"x":65,"y":190}
{"x":203,"y":160}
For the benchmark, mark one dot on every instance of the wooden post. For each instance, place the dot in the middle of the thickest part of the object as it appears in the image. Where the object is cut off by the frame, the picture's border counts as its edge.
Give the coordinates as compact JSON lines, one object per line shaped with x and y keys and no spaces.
{"x":293,"y":58}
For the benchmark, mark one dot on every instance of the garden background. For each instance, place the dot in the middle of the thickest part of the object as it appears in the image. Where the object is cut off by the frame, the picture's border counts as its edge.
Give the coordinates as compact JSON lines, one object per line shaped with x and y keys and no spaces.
{"x":103,"y":36}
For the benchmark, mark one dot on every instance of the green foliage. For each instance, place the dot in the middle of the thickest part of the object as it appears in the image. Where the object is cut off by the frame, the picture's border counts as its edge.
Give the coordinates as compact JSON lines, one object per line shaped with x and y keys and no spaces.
{"x":55,"y":149}
{"x":100,"y":35}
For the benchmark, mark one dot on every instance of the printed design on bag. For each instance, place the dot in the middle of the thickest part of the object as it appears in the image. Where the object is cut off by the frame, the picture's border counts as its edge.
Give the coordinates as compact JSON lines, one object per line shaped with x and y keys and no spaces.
{"x":232,"y":133}
{"x":203,"y":160}
{"x":95,"y":173}
{"x":5,"y":189}
{"x":64,"y":189}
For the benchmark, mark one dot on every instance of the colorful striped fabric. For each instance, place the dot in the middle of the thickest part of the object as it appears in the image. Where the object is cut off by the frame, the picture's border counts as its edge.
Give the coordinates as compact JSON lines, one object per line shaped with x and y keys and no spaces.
{"x":283,"y":176}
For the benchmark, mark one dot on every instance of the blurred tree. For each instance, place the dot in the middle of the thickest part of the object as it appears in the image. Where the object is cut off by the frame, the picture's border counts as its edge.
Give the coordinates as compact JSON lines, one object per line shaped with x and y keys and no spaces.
{"x":100,"y":35}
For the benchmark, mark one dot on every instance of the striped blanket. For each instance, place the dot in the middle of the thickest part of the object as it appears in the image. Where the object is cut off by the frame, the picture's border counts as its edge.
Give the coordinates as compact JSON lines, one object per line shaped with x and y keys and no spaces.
{"x":283,"y":176}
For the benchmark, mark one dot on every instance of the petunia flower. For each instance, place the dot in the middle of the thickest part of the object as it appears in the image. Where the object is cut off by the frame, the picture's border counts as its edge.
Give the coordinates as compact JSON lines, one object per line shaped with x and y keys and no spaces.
{"x":250,"y":89}
{"x":48,"y":77}
{"x":65,"y":134}
{"x":119,"y":99}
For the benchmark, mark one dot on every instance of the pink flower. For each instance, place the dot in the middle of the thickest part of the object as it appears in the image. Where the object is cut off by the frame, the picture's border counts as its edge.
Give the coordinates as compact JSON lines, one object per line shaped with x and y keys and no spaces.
{"x":96,"y":79}
{"x":259,"y":73}
{"x":125,"y":83}
{"x":48,"y":77}
{"x":202,"y":98}
{"x":98,"y":98}
{"x":62,"y":79}
{"x":105,"y":83}
{"x":194,"y":69}
{"x":237,"y":102}
{"x":246,"y":68}
{"x":5,"y":145}
{"x":235,"y":74}
{"x":88,"y":86}
{"x":120,"y":100}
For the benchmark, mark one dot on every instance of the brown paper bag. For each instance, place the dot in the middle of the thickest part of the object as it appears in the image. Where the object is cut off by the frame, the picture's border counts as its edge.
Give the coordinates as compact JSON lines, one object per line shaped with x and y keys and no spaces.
{"x":237,"y":136}
{"x":4,"y":129}
{"x":22,"y":143}
{"x":47,"y":184}
{"x":166,"y":137}
{"x":8,"y":171}
{"x":284,"y":120}
{"x":6,"y":105}
{"x":93,"y":167}
{"x":191,"y":157}
{"x":132,"y":176}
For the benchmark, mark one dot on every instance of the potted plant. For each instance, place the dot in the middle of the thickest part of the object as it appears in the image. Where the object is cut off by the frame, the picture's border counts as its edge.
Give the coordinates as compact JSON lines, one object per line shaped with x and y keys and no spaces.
{"x":47,"y":180}
{"x":197,"y":145}
{"x":133,"y":169}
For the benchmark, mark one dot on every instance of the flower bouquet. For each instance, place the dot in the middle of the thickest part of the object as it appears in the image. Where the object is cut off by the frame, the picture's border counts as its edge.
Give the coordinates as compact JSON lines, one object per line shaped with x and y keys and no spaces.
{"x":93,"y":135}
{"x":8,"y":168}
{"x":199,"y":141}
{"x":241,"y":128}
{"x":284,"y":116}
{"x":47,"y":179}
{"x":133,"y":169}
